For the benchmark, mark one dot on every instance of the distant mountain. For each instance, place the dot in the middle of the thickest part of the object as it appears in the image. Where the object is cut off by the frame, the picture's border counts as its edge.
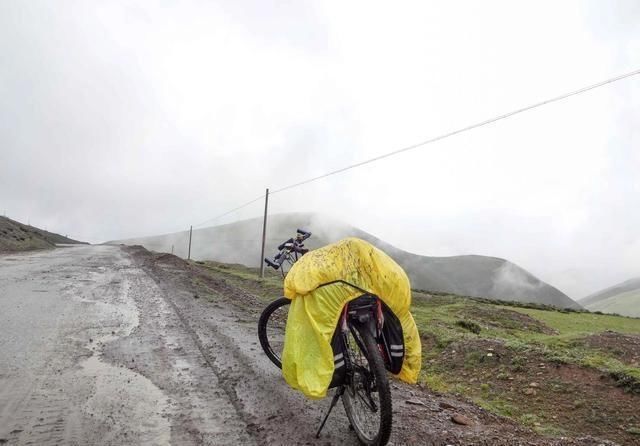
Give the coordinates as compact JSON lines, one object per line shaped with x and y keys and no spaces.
{"x":470,"y":275}
{"x":623,"y":298}
{"x":16,"y":236}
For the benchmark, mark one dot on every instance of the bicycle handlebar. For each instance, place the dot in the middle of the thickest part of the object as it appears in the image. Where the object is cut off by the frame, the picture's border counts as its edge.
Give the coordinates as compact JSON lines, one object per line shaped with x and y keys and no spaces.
{"x":291,"y":245}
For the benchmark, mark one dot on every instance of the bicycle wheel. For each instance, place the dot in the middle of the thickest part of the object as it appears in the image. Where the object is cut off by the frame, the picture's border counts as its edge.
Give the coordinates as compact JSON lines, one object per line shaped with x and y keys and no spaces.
{"x":367,"y":398}
{"x":271,"y":329}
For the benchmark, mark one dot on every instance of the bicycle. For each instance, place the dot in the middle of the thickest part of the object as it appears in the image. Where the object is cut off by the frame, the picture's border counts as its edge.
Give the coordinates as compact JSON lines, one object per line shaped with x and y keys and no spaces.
{"x":360,"y":375}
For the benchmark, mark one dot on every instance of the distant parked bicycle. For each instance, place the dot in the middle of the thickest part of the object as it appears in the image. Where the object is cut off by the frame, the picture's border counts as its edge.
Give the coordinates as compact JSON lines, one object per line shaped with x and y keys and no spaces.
{"x":363,"y":353}
{"x":289,"y":252}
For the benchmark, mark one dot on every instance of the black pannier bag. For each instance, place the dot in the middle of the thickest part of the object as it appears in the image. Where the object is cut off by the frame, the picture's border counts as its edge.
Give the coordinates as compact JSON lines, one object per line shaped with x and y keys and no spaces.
{"x":392,"y":341}
{"x":391,"y":345}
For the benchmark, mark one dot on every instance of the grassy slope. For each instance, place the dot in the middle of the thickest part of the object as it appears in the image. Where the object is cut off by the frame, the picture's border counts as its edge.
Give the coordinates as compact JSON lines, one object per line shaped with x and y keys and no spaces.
{"x":622,"y":298}
{"x":438,"y":318}
{"x":627,"y":303}
{"x":531,"y":345}
{"x":623,"y":287}
{"x":15,"y":236}
{"x":549,"y":352}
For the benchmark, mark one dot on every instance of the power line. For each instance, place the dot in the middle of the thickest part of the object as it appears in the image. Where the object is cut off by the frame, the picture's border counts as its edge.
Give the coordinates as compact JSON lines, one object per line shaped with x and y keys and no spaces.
{"x":456,"y":132}
{"x":429,"y":141}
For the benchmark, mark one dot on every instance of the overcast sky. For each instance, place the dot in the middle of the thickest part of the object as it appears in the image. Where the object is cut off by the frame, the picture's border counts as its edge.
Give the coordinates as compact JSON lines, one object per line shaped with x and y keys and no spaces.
{"x":120,"y":119}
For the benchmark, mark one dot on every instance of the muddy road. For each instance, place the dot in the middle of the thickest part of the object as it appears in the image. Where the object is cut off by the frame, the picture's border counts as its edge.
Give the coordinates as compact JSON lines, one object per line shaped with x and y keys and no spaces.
{"x":94,"y":352}
{"x":111,"y":345}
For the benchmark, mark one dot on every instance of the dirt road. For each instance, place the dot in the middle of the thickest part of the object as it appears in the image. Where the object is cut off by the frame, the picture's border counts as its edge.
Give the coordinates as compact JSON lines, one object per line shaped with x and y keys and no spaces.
{"x":107,"y":345}
{"x":94,"y":352}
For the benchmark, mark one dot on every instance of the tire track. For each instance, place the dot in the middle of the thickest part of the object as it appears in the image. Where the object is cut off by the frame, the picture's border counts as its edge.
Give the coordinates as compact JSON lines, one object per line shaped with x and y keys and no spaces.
{"x":223,"y":378}
{"x":273,"y":412}
{"x":162,"y":349}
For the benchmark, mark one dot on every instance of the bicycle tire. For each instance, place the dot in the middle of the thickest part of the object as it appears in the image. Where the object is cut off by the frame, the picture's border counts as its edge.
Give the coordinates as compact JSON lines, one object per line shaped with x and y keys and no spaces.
{"x":269,"y":327}
{"x":349,"y":398}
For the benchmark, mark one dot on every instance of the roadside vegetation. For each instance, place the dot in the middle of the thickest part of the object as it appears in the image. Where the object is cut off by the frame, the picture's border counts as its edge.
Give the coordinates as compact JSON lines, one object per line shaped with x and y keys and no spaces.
{"x":559,"y":372}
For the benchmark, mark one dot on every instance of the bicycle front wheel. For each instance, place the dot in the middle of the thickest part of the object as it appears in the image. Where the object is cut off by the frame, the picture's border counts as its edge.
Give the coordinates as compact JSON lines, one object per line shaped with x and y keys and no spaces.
{"x":367,"y":398}
{"x":271,"y":326}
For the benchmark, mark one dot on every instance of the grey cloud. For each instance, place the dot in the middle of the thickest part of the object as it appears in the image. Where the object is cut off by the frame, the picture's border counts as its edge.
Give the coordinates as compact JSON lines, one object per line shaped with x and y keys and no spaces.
{"x":121,"y":120}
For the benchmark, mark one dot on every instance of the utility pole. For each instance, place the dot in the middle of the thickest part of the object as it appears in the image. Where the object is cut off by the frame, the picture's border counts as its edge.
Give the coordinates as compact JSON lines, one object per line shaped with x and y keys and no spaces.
{"x":264,"y":232}
{"x":190,"y":232}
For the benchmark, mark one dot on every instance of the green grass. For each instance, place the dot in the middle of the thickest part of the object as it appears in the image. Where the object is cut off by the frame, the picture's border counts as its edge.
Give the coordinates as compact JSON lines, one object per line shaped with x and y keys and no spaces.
{"x":577,"y":324}
{"x":440,"y":318}
{"x":498,"y":406}
{"x":439,"y":322}
{"x":436,"y":382}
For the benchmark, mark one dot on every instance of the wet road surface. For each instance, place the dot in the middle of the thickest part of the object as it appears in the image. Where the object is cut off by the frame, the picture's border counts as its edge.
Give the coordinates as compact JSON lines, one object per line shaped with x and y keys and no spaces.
{"x":97,"y":349}
{"x":60,"y":309}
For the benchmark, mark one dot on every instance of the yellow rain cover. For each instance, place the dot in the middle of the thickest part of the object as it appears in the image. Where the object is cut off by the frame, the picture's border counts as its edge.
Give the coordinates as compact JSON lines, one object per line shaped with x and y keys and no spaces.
{"x":307,"y":359}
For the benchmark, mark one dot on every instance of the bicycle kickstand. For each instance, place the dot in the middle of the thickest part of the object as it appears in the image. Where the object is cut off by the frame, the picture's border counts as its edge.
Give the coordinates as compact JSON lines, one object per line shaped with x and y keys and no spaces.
{"x":335,"y":399}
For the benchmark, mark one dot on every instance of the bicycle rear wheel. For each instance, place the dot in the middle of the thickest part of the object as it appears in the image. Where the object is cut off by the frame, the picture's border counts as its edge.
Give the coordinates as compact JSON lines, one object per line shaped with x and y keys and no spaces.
{"x":367,"y":398}
{"x":271,"y":327}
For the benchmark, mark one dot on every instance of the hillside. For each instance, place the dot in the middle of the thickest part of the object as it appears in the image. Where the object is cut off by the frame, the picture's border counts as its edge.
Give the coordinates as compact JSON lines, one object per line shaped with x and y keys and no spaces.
{"x":15,"y":236}
{"x":470,"y":275}
{"x":623,"y":298}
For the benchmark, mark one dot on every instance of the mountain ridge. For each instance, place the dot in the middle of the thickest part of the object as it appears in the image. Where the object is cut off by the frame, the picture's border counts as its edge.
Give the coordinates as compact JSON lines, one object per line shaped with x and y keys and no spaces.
{"x":622,"y":298}
{"x":16,"y":236}
{"x":470,"y":274}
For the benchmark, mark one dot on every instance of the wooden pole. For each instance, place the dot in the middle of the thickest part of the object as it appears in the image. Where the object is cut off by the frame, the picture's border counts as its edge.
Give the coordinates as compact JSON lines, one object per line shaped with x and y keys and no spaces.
{"x":190,"y":232}
{"x":264,"y":232}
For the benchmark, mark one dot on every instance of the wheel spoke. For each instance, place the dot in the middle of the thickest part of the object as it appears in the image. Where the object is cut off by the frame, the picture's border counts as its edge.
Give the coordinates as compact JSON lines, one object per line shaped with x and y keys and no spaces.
{"x":369,"y":412}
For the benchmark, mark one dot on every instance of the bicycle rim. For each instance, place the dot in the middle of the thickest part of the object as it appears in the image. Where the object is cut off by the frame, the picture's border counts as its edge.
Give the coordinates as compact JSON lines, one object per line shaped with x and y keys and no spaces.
{"x":271,"y":328}
{"x":367,"y":398}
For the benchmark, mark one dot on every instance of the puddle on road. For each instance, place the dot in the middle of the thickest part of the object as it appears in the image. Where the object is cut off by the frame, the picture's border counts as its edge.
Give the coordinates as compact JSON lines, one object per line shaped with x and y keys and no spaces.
{"x":112,"y":303}
{"x":129,"y":404}
{"x":130,"y":408}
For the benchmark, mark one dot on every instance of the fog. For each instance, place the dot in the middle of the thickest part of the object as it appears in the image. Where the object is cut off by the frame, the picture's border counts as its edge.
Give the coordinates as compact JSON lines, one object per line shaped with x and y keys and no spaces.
{"x":121,"y":120}
{"x":469,"y":275}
